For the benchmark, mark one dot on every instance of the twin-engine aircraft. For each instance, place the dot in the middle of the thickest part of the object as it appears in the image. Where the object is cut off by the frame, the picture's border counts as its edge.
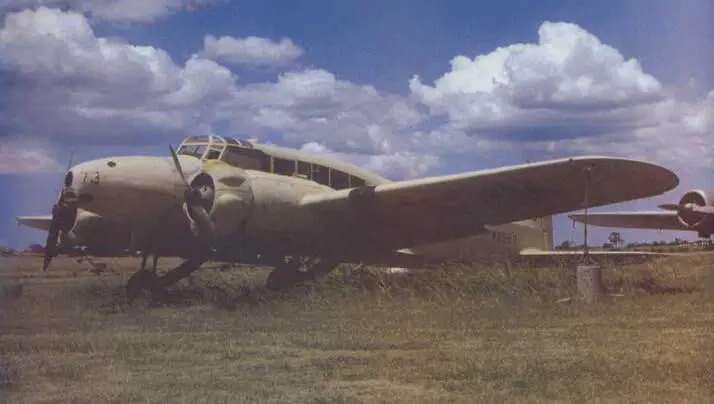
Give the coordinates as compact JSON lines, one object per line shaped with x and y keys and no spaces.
{"x":222,"y":199}
{"x":694,"y":212}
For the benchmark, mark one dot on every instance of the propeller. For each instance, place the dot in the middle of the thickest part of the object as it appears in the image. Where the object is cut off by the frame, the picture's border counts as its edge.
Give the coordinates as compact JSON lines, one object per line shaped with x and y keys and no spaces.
{"x":198,"y":199}
{"x":688,"y":207}
{"x":64,"y":213}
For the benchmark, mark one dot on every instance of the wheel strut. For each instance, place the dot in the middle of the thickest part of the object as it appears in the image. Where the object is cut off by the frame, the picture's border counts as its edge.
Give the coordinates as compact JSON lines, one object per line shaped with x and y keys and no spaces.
{"x":148,"y":281}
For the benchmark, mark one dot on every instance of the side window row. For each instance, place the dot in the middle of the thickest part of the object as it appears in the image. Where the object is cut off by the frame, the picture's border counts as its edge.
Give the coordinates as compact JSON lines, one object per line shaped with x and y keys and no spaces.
{"x":322,"y":175}
{"x":256,"y":160}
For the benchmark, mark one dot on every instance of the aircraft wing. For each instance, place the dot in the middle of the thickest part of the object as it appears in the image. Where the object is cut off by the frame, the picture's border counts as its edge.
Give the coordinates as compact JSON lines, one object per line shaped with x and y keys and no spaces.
{"x":661,"y":220}
{"x":36,"y":222}
{"x":408,"y":213}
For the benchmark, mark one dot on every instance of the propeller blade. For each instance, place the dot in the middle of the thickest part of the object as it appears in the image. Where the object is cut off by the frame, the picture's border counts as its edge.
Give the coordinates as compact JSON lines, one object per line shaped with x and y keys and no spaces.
{"x":194,"y":204}
{"x":705,"y":210}
{"x":177,"y":163}
{"x":51,"y":242}
{"x":60,"y":221}
{"x":71,"y":157}
{"x":671,"y":206}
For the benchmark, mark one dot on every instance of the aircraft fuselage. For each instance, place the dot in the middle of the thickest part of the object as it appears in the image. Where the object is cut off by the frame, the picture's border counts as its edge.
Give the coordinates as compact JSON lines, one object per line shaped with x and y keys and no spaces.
{"x":135,"y":203}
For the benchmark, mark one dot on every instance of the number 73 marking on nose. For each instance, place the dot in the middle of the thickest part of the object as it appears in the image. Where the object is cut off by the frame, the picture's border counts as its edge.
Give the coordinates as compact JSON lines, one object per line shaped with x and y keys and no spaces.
{"x":90,"y":178}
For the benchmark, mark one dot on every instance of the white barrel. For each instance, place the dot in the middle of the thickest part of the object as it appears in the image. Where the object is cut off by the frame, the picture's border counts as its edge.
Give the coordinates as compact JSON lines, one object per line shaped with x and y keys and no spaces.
{"x":590,"y":285}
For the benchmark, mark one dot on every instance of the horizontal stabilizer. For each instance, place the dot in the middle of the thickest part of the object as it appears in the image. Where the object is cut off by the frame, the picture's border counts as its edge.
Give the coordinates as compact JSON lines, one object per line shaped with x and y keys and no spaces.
{"x":36,"y":222}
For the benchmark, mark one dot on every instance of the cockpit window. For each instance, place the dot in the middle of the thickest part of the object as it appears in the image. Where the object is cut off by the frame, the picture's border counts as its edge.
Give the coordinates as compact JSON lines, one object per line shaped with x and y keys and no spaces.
{"x":193,"y":150}
{"x":213,"y":155}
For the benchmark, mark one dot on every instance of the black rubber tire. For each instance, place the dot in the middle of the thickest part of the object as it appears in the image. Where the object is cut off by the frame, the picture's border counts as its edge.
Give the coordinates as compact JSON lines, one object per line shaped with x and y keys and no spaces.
{"x":144,"y":284}
{"x":284,"y":276}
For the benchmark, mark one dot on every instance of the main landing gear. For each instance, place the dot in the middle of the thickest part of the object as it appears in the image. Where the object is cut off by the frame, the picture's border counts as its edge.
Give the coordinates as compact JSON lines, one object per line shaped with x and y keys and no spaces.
{"x":146,"y":283}
{"x":296,"y":271}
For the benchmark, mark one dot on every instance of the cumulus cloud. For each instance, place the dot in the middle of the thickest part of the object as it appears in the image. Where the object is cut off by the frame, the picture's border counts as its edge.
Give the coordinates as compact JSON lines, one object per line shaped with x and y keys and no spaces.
{"x":60,"y":80}
{"x":20,"y":156}
{"x":568,"y":84}
{"x":313,"y":105}
{"x":399,"y":165}
{"x":566,"y":94}
{"x":254,"y":51}
{"x":131,"y":11}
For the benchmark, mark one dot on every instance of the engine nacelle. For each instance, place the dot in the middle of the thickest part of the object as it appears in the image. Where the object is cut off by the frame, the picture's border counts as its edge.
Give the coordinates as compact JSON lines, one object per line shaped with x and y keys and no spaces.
{"x":703,"y":223}
{"x":85,"y":228}
{"x":276,"y":217}
{"x":226,"y":197}
{"x":94,"y":233}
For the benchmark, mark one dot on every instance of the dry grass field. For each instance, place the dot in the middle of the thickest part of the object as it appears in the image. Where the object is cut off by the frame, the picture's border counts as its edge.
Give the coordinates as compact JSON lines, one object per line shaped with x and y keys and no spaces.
{"x":464,"y":335}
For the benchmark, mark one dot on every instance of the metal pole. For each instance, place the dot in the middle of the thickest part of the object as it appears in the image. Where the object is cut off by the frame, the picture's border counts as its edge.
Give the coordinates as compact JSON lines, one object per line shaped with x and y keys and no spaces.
{"x":586,"y":202}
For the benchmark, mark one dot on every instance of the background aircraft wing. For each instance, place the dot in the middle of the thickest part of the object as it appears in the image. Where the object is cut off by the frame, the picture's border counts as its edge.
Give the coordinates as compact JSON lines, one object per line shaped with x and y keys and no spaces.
{"x":538,"y":257}
{"x":532,"y":252}
{"x":408,"y":213}
{"x":36,"y":222}
{"x":661,"y":220}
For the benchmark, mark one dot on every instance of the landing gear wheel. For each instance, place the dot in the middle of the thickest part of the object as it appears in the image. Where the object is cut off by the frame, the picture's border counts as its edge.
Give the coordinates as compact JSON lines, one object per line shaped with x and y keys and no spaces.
{"x":144,"y":285}
{"x":284,"y":275}
{"x":289,"y":274}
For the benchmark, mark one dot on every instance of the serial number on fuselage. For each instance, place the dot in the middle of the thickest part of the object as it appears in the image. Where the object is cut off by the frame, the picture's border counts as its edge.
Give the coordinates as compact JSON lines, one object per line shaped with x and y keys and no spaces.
{"x":504,"y":237}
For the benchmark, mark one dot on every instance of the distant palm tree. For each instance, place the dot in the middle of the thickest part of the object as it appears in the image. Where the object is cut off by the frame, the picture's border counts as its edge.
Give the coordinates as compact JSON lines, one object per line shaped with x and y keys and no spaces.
{"x":616,"y":239}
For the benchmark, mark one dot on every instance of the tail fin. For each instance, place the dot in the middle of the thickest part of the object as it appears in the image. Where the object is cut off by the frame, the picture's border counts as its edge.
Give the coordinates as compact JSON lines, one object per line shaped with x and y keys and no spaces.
{"x":536,"y":233}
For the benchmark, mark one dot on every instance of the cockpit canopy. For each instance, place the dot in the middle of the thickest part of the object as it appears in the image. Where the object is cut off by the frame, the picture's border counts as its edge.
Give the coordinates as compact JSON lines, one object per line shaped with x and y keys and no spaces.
{"x":209,"y":147}
{"x":246,"y":155}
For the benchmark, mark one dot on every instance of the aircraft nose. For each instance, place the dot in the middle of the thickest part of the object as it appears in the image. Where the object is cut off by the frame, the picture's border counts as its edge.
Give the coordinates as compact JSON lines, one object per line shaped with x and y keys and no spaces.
{"x":119,"y":185}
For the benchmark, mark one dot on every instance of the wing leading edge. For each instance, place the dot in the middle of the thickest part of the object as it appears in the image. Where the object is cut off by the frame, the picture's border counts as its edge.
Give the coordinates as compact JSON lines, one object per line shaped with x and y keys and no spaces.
{"x":408,"y":213}
{"x":661,"y":220}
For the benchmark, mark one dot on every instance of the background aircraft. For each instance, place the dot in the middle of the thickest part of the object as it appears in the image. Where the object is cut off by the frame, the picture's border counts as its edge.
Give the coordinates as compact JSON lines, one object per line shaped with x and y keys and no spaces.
{"x":7,"y":251}
{"x":223,"y":199}
{"x":694,"y":212}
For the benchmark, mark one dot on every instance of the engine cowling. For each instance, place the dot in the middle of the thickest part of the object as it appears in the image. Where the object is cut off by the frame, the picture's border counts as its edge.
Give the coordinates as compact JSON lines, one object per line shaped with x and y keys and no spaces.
{"x":225,"y":195}
{"x":84,"y":228}
{"x":704,"y":223}
{"x":94,"y":234}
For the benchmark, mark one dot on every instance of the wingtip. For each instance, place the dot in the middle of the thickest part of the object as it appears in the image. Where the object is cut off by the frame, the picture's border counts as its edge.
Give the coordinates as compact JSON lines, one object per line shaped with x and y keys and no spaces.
{"x":663,"y":176}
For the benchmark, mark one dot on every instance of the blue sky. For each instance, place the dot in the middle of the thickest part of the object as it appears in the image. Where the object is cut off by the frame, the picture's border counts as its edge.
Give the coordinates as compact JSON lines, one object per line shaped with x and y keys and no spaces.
{"x":407,"y":88}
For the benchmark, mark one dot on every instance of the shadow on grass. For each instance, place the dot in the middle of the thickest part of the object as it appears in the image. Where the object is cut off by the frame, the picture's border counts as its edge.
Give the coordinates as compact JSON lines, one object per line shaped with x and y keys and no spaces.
{"x":242,"y":288}
{"x":653,"y":287}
